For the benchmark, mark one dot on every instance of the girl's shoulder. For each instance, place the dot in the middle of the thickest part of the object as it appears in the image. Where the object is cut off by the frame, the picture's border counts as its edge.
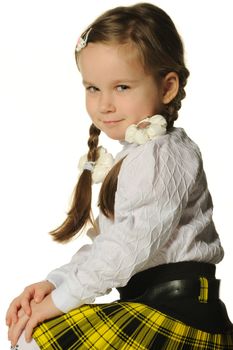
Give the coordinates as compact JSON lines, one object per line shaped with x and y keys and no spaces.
{"x":176,"y":144}
{"x":173,"y":152}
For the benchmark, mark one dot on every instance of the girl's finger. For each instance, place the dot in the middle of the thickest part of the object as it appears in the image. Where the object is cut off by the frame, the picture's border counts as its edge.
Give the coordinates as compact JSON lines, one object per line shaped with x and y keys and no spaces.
{"x":27,"y":296}
{"x":21,"y":313}
{"x":25,"y":304}
{"x":16,"y":329}
{"x":39,"y":296}
{"x":11,"y":315}
{"x":31,"y":324}
{"x":42,"y":291}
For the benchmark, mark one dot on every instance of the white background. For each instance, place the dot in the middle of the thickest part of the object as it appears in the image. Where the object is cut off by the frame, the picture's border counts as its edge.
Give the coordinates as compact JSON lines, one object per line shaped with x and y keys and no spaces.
{"x":44,"y":126}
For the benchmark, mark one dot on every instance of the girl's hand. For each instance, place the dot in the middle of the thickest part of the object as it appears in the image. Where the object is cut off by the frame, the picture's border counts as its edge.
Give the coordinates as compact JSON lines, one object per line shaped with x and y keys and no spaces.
{"x":36,"y":292}
{"x":40,"y":312}
{"x":16,"y":329}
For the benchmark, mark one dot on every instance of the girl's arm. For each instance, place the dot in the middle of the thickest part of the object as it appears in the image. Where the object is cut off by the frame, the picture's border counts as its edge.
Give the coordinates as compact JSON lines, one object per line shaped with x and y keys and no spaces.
{"x":149,"y":201}
{"x":38,"y":291}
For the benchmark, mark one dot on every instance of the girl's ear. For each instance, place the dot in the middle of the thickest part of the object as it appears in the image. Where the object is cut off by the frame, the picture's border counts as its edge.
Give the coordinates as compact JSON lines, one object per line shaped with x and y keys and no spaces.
{"x":170,"y":87}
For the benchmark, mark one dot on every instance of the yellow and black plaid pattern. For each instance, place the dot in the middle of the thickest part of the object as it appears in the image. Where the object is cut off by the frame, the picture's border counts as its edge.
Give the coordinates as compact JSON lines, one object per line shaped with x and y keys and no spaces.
{"x":124,"y":325}
{"x":204,"y":287}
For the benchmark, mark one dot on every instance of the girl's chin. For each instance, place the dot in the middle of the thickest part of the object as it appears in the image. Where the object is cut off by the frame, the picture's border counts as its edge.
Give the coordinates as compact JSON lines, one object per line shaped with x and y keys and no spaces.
{"x":114,"y":134}
{"x":115,"y":137}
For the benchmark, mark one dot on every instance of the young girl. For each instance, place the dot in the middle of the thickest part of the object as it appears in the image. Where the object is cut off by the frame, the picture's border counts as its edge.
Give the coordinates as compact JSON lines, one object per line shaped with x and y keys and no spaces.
{"x":154,"y":239}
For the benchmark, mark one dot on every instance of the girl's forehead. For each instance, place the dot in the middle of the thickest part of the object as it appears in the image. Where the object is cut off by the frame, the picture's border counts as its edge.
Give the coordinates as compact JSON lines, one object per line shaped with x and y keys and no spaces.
{"x":126,"y":52}
{"x":121,"y":56}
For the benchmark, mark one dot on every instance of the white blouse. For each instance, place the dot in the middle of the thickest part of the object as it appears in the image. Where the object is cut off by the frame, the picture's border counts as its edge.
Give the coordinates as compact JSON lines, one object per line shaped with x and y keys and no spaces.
{"x":163,"y":214}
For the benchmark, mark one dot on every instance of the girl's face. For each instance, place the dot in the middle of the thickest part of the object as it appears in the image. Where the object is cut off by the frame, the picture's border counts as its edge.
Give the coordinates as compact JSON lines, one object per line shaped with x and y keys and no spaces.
{"x":118,"y":90}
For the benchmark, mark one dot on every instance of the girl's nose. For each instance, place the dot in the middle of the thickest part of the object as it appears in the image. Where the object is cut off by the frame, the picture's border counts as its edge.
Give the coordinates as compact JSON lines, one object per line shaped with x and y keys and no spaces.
{"x":106,"y":103}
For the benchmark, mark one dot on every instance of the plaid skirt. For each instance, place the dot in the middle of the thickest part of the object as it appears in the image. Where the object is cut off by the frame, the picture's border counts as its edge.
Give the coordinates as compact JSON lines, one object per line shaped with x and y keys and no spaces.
{"x":124,"y":325}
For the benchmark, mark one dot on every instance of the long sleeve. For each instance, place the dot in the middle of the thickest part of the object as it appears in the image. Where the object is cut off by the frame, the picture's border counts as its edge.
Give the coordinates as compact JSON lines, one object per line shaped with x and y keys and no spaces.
{"x":154,"y":188}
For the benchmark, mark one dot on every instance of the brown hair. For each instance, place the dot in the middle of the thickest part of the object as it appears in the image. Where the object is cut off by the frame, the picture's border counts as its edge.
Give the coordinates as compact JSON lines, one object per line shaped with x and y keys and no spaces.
{"x":80,"y":211}
{"x":161,"y":51}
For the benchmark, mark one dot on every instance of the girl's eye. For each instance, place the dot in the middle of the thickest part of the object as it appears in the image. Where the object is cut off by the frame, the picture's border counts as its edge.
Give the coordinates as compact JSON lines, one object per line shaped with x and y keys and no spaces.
{"x":92,"y":89}
{"x":121,"y":88}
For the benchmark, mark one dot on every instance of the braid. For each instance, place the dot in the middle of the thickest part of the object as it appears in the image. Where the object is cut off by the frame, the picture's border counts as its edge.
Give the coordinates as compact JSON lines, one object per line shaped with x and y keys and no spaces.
{"x":93,"y":140}
{"x":80,"y":212}
{"x":170,"y":111}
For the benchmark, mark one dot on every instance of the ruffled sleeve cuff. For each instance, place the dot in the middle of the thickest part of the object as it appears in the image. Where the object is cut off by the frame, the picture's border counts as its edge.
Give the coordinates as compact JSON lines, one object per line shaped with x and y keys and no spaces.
{"x":65,"y":301}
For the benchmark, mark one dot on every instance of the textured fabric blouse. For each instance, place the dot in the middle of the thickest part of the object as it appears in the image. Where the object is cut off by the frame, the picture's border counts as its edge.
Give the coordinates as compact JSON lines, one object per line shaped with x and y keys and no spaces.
{"x":163,"y":214}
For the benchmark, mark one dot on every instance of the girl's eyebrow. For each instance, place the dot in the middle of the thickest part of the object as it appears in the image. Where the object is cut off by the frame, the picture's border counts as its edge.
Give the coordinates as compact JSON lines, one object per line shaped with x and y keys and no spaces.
{"x":86,"y":83}
{"x":114,"y":82}
{"x":126,"y":80}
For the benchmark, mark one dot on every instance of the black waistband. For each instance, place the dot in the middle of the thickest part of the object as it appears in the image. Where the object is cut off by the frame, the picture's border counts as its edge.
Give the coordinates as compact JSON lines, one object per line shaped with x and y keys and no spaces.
{"x":178,"y":290}
{"x":139,"y":283}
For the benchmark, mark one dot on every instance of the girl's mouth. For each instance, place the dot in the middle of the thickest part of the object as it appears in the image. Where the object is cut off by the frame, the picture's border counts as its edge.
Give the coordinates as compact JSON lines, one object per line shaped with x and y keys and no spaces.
{"x":112,"y":122}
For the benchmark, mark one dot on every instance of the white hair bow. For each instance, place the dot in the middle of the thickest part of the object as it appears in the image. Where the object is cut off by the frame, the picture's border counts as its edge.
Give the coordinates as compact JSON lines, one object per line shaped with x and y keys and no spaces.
{"x":100,"y":168}
{"x":147,"y":129}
